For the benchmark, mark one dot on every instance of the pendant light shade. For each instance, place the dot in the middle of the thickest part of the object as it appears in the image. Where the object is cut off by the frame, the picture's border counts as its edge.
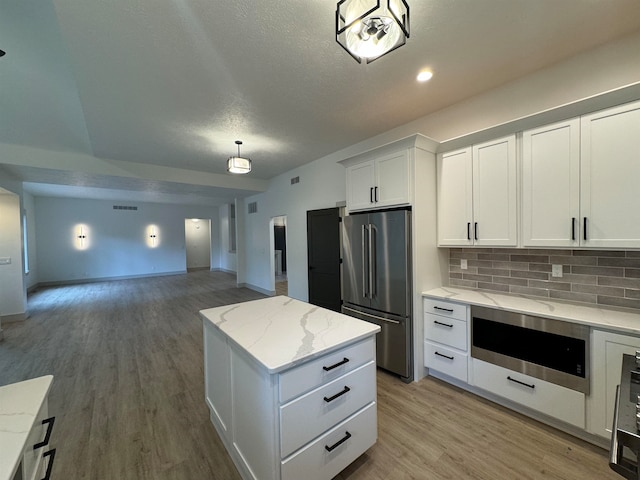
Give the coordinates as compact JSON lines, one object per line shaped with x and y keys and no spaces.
{"x":238,"y":164}
{"x":369,"y":29}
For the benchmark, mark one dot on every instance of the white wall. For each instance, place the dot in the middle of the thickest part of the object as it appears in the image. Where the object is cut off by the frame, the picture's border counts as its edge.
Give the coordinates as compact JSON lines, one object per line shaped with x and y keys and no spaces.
{"x":227,"y":257}
{"x":322,"y":182}
{"x":198,"y":240}
{"x":12,"y":290}
{"x":29,"y":207}
{"x":117,"y":240}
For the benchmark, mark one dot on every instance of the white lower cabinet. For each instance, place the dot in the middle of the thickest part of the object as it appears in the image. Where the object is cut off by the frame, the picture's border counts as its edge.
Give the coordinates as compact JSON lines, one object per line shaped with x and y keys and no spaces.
{"x":606,"y":368}
{"x":445,"y":360}
{"x":307,"y":422}
{"x":548,"y":398}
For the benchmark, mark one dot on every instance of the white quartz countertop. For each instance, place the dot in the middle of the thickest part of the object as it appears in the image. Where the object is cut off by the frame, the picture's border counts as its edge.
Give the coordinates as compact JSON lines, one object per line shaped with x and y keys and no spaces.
{"x":19,"y":405}
{"x":622,"y":321}
{"x":280,"y":332}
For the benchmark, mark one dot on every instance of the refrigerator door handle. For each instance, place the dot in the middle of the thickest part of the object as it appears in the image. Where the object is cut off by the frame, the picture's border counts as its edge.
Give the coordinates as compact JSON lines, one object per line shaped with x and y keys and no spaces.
{"x":364,"y":260}
{"x":372,"y":261}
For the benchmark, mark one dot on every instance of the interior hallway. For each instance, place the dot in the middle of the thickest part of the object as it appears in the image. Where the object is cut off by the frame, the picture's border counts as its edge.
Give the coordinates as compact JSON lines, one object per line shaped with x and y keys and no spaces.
{"x":128,"y":395}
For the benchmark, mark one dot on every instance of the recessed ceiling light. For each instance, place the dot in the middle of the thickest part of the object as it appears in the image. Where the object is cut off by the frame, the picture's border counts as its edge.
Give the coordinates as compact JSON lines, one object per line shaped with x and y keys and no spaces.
{"x":424,"y":76}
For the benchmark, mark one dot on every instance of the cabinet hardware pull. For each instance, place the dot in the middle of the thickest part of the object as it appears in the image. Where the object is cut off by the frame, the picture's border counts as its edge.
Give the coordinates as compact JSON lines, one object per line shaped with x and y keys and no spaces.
{"x":47,"y":436}
{"x":521,"y":383}
{"x":468,"y":230}
{"x":375,"y":196}
{"x":444,"y":309}
{"x":339,"y":394}
{"x":52,"y":454}
{"x":336,"y":365}
{"x":371,"y":195}
{"x":475,"y":230}
{"x":445,"y":356}
{"x":340,"y":442}
{"x":573,"y":228}
{"x":584,"y":229}
{"x":443,"y":324}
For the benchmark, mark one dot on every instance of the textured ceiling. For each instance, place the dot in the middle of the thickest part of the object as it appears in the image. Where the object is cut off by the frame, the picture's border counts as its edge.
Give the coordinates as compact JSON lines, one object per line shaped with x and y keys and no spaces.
{"x":173,"y":83}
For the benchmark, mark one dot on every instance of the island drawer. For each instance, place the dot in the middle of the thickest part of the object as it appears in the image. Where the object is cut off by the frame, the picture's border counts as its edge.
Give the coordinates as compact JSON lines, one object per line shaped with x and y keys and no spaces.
{"x":332,"y":452}
{"x":445,"y":308}
{"x":310,"y":415}
{"x":306,"y":377}
{"x":445,"y":360}
{"x":448,"y":331}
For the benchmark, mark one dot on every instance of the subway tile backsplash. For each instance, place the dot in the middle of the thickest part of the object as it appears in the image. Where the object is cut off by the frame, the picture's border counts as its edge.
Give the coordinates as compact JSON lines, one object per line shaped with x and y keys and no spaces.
{"x":598,"y":277}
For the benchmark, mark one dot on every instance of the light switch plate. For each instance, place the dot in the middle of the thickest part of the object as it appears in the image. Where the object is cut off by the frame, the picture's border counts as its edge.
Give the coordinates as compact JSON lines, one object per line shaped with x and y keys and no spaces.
{"x":556,"y":270}
{"x":463,"y":264}
{"x":5,"y":260}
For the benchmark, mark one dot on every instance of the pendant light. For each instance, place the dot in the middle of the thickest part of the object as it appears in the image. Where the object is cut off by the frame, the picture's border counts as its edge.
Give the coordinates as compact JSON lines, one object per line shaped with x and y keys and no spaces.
{"x":239,"y":165}
{"x":369,"y":29}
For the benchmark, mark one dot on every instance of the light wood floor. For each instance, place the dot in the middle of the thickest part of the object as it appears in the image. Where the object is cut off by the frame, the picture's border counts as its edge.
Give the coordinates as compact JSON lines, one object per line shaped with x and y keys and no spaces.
{"x":128,"y":394}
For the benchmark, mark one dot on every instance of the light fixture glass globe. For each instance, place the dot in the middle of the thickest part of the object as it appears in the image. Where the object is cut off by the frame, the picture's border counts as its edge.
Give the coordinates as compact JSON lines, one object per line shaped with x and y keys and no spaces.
{"x":238,"y":165}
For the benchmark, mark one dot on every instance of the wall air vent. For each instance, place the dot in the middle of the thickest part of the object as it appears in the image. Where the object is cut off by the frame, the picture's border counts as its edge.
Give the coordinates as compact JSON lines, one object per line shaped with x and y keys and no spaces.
{"x":295,"y":180}
{"x":253,"y":207}
{"x":124,"y":207}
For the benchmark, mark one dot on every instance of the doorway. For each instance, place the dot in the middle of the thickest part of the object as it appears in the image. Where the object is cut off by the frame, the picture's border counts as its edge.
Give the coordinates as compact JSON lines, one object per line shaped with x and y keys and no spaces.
{"x":197,"y":235}
{"x":280,"y":255}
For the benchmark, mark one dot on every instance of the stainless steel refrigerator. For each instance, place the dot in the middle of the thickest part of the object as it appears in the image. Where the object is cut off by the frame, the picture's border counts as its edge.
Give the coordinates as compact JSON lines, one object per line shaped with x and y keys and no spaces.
{"x":376,"y":282}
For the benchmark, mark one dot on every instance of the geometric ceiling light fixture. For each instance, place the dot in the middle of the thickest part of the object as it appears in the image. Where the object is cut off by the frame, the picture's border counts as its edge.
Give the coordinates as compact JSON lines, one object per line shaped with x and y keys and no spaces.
{"x":239,"y":165}
{"x":368,"y":30}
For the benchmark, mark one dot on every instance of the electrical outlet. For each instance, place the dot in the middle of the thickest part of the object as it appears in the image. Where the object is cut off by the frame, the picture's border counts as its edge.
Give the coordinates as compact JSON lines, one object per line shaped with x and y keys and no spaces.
{"x":5,"y":260}
{"x":556,"y":270}
{"x":463,"y":264}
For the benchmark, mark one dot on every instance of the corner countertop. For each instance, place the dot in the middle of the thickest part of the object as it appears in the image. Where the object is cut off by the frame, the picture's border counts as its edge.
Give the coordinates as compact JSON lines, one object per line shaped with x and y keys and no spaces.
{"x":281,"y":332}
{"x":594,"y":316}
{"x":19,"y":405}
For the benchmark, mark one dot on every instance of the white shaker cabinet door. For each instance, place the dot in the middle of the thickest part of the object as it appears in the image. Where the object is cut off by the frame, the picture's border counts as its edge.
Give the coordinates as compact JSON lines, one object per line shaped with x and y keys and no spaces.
{"x":455,"y":198}
{"x":551,"y":185}
{"x":392,"y":180}
{"x":494,"y":193}
{"x":361,"y":180}
{"x":610,"y":176}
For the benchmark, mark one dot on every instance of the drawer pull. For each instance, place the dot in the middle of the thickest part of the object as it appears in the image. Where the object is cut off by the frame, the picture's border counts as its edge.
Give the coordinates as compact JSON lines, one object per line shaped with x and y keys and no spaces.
{"x":339,"y":394}
{"x":52,"y":454}
{"x":444,"y":309}
{"x":443,"y":324}
{"x":336,"y":365}
{"x":338,"y":443}
{"x":521,"y":383}
{"x":445,"y":356}
{"x":47,"y":436}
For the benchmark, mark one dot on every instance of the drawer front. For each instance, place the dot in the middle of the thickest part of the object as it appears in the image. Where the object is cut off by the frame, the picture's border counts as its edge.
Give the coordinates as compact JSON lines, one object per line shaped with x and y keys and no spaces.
{"x":315,"y":462}
{"x":448,"y":331}
{"x":33,"y":458}
{"x":445,"y":308}
{"x":548,"y":398}
{"x":317,"y":372}
{"x":308,"y":416}
{"x":445,"y":360}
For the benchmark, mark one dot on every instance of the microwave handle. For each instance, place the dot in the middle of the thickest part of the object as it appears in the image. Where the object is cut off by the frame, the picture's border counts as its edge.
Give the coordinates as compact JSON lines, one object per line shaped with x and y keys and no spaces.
{"x":617,"y":463}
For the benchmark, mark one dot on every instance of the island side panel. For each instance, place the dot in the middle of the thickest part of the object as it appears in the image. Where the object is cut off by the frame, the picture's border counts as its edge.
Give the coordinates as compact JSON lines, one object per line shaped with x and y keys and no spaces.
{"x":255,"y":424}
{"x":217,"y":377}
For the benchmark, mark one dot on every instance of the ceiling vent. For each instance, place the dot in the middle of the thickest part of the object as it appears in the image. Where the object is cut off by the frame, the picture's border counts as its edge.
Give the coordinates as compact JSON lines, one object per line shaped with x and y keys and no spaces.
{"x":124,"y":207}
{"x":253,"y":207}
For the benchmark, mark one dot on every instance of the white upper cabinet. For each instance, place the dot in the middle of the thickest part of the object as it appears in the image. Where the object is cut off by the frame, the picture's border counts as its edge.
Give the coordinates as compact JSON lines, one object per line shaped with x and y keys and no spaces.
{"x":379,"y":183}
{"x":455,"y":198}
{"x":610,"y":177}
{"x":477,"y":199}
{"x":551,"y":185}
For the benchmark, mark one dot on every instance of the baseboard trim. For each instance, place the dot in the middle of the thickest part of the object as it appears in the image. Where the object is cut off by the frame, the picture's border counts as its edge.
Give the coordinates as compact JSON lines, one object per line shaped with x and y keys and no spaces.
{"x":16,"y":317}
{"x":227,"y":271}
{"x":106,"y":279}
{"x":270,"y":293}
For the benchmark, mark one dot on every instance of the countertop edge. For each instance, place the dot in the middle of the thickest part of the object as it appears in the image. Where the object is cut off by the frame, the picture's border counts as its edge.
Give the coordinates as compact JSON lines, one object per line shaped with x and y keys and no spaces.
{"x":621,"y":321}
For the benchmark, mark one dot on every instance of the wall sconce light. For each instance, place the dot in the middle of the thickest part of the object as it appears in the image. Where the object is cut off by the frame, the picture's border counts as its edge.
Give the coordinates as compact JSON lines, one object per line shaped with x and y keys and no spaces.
{"x":81,"y":234}
{"x":239,"y":164}
{"x":153,"y":239}
{"x":368,"y":30}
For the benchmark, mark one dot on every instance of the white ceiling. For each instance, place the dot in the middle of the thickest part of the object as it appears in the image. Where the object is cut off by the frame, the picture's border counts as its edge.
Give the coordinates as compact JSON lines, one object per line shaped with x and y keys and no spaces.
{"x":173,"y":83}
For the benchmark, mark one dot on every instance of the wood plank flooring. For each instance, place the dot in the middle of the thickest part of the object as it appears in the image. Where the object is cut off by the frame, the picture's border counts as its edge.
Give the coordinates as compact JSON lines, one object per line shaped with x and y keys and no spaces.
{"x":128,"y":395}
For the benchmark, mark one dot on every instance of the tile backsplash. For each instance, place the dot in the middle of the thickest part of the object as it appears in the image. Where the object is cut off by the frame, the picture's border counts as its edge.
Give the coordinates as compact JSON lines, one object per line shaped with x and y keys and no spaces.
{"x":598,"y":277}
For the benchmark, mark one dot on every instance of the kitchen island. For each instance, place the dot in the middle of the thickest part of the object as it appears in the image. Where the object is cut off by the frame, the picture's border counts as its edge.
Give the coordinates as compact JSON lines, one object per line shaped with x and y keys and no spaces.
{"x":291,"y":387}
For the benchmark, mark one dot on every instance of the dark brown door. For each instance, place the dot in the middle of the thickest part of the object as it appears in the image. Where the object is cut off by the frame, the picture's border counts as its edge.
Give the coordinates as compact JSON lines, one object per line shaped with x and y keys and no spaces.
{"x":323,"y":257}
